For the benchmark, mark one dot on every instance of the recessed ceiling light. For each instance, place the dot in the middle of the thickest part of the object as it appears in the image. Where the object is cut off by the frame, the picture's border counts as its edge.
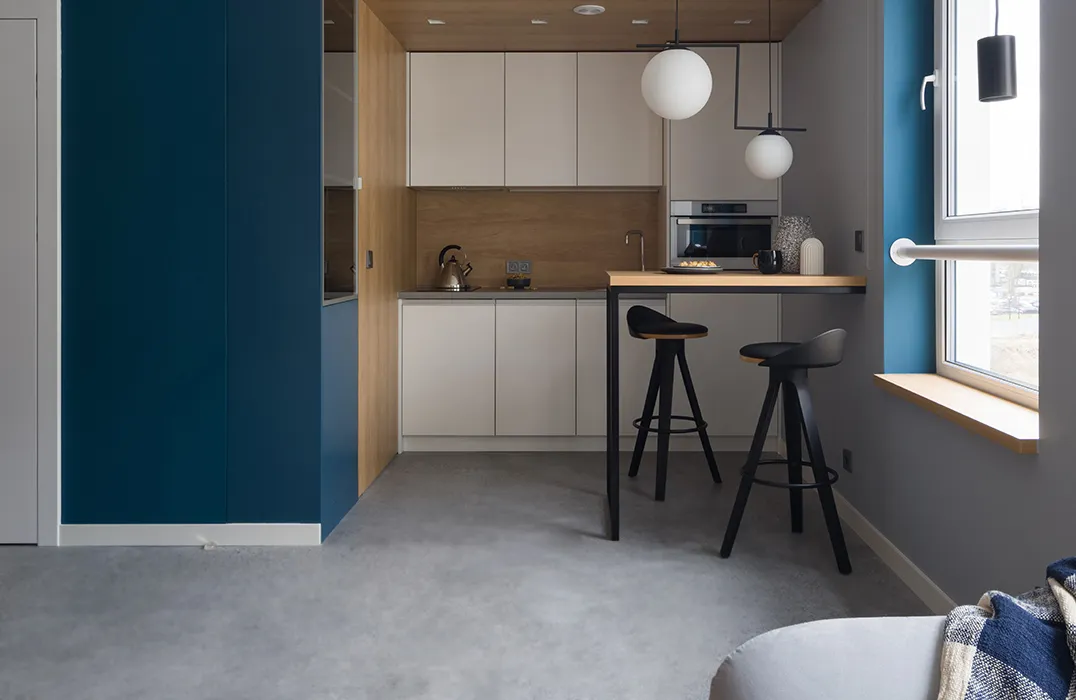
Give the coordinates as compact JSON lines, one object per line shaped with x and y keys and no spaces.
{"x":640,"y":21}
{"x":329,"y":21}
{"x":435,"y":21}
{"x":589,"y":10}
{"x":539,"y":21}
{"x":743,"y":21}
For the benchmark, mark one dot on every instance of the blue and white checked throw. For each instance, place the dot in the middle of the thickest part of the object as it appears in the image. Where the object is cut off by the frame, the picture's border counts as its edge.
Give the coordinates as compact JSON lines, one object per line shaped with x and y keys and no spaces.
{"x":1009,"y":647}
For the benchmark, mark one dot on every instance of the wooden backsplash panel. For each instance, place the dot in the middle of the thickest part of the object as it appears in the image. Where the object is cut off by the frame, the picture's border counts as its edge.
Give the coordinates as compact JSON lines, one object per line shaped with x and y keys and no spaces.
{"x":571,"y":238}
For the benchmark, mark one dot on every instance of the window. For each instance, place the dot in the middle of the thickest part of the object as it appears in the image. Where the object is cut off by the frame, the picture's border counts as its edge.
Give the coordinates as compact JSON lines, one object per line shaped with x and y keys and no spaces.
{"x":987,"y":191}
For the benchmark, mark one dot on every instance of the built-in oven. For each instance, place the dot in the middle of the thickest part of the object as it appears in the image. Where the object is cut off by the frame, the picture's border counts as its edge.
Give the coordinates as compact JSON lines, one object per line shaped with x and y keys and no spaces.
{"x":728,"y":233}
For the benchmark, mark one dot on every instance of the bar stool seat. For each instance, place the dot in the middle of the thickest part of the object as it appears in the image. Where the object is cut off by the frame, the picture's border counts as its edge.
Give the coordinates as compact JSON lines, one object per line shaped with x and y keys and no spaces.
{"x":764,"y":351}
{"x":647,"y":324}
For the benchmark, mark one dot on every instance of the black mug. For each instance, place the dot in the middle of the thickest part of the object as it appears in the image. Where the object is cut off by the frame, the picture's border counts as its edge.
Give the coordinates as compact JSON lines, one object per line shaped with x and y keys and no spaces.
{"x":768,"y":262}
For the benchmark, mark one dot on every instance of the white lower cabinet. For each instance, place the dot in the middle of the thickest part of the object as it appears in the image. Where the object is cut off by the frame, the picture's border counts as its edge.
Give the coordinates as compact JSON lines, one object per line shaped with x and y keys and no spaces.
{"x":730,"y":391}
{"x":517,"y":368}
{"x":536,"y":367}
{"x":636,"y":364}
{"x":636,"y":361}
{"x":590,"y":368}
{"x":448,"y":368}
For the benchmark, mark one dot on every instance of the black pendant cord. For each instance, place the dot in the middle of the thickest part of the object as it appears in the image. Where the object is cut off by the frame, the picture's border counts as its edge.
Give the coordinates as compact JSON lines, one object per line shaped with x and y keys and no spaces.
{"x":676,"y":29}
{"x":677,"y":44}
{"x":769,"y":53}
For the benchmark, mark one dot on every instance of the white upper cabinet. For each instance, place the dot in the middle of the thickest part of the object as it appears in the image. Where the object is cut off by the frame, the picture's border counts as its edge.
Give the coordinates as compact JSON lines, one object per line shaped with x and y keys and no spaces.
{"x":340,"y":155}
{"x":457,"y":119}
{"x":540,"y":119}
{"x":620,"y":139}
{"x":706,"y":155}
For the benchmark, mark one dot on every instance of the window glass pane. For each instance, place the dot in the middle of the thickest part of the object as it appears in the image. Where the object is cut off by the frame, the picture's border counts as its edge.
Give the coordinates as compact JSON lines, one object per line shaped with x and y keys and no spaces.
{"x":994,"y":156}
{"x":996,"y":319}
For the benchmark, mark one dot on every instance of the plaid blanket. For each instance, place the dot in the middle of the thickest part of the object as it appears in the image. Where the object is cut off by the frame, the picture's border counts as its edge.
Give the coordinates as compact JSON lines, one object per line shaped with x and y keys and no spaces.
{"x":1009,"y":647}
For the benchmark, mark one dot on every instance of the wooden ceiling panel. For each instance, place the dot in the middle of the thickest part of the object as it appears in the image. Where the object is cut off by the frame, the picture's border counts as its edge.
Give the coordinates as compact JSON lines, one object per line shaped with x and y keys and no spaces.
{"x":505,"y":25}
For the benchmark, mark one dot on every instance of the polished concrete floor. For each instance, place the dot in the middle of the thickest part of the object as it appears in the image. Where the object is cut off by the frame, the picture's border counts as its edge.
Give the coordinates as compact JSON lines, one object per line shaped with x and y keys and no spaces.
{"x":457,"y":576}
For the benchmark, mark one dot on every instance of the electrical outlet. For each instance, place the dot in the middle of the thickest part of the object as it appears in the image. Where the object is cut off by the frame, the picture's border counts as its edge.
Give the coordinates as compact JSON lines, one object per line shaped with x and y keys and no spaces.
{"x":512,"y":267}
{"x":525,"y":267}
{"x":846,"y":460}
{"x":859,"y":241}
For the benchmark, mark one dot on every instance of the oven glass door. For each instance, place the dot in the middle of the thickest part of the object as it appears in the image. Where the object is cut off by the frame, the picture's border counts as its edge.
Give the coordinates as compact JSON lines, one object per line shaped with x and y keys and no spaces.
{"x":728,"y":241}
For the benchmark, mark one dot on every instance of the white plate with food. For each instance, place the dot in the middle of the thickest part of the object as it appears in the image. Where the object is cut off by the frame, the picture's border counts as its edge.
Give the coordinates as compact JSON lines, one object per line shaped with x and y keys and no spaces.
{"x":694,"y":267}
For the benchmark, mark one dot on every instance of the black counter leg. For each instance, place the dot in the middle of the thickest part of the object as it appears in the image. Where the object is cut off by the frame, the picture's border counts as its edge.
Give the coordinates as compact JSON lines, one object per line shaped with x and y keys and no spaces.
{"x":612,"y":410}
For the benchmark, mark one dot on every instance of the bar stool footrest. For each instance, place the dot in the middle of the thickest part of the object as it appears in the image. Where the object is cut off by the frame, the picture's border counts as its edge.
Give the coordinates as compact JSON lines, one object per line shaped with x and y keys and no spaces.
{"x":831,"y":474}
{"x":700,"y":425}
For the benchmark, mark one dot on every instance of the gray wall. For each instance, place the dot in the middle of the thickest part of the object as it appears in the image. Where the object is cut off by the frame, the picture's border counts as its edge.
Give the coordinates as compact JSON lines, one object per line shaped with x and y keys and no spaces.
{"x":973,"y":516}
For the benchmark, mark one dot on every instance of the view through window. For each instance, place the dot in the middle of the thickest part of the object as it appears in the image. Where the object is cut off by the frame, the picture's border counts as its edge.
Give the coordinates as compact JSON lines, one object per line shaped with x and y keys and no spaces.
{"x":991,"y":178}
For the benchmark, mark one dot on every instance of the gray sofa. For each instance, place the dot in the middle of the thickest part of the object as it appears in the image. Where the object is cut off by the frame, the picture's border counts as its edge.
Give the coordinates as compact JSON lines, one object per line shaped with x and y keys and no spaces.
{"x":881,"y":658}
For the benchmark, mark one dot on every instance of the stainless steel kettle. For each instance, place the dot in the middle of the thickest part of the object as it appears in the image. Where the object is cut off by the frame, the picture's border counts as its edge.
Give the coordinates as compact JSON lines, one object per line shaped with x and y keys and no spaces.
{"x":453,"y":274}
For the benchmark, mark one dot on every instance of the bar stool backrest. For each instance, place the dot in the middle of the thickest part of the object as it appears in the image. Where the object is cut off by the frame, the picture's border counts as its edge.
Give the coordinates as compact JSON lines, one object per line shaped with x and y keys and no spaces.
{"x":642,"y":319}
{"x":825,"y":350}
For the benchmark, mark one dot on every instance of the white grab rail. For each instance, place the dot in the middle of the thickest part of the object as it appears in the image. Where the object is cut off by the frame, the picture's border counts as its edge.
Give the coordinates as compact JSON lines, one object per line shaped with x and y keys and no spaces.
{"x":905,"y":251}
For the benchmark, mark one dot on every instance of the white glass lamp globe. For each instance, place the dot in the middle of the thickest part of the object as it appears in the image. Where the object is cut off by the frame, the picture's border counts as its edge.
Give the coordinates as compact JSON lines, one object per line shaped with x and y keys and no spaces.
{"x":677,"y":83}
{"x":769,"y":155}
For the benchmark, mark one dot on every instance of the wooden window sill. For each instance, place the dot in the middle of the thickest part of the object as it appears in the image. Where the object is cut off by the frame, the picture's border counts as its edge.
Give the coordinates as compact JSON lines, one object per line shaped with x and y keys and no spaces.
{"x":1006,"y":423}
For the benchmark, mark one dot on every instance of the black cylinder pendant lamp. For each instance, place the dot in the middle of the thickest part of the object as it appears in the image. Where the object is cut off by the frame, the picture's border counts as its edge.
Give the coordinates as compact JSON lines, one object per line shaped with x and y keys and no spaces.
{"x":997,"y":64}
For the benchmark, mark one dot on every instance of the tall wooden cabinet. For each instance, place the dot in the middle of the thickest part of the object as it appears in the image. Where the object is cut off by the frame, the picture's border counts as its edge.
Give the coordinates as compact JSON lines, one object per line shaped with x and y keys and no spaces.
{"x":620,"y":139}
{"x":706,"y":154}
{"x":540,"y":120}
{"x":457,"y":120}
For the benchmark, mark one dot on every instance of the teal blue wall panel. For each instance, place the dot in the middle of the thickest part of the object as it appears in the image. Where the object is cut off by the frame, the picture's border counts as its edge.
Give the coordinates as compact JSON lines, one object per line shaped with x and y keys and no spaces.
{"x":339,"y":412}
{"x":144,"y":197}
{"x":909,"y":185}
{"x":274,"y":260}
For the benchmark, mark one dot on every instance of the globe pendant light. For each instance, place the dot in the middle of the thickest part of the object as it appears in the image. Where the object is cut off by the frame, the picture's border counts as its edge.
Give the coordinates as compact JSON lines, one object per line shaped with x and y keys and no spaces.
{"x":769,"y":155}
{"x":997,"y":64}
{"x":677,"y":82}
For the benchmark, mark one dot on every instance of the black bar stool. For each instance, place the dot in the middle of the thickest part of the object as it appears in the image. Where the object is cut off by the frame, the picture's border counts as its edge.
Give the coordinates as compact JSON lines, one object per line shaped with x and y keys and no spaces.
{"x":788,"y":364}
{"x":647,"y":324}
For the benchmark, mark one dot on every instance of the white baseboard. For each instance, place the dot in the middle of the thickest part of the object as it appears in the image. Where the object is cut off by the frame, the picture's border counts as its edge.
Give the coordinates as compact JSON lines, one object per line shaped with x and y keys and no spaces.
{"x":226,"y":534}
{"x":913,"y":577}
{"x":686,"y":443}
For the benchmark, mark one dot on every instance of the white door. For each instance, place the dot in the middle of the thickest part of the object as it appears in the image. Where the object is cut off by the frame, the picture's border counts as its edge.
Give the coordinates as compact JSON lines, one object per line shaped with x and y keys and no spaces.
{"x":536,"y":367}
{"x":706,"y":154}
{"x":636,"y":362}
{"x":18,"y":282}
{"x":448,"y":367}
{"x":590,"y":367}
{"x":457,"y":119}
{"x":540,"y":120}
{"x":730,"y":390}
{"x":620,"y":139}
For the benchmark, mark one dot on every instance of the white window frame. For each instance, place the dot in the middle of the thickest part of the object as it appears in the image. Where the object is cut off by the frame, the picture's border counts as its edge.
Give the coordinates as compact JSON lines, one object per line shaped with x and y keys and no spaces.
{"x":1005,"y":227}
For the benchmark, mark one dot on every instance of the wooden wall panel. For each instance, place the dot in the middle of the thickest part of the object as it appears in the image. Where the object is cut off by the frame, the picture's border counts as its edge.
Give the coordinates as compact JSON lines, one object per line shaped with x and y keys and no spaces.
{"x":571,"y":238}
{"x":386,"y":227}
